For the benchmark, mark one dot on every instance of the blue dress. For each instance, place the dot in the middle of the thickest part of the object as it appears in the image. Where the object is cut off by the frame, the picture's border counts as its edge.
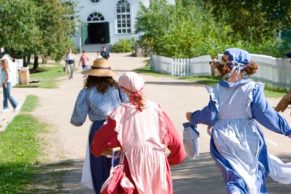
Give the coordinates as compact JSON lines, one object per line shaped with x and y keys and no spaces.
{"x":237,"y":143}
{"x":97,"y":106}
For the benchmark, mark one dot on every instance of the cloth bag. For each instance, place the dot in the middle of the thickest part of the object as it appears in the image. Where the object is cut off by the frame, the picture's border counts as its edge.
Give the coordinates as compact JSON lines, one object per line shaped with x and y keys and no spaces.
{"x":191,"y":140}
{"x":117,"y":182}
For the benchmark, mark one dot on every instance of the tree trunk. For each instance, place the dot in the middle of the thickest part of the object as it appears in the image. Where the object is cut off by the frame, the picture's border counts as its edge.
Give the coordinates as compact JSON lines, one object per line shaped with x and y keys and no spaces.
{"x":35,"y":63}
{"x":28,"y":59}
{"x":25,"y":61}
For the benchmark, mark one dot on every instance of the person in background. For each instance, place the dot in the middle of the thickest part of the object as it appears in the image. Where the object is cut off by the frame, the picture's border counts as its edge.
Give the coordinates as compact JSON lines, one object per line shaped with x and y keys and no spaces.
{"x":143,"y":131}
{"x":237,"y":104}
{"x":99,"y":96}
{"x":84,"y":60}
{"x":98,"y":56}
{"x":6,"y":85}
{"x":70,"y":63}
{"x":286,"y":100}
{"x":104,"y":53}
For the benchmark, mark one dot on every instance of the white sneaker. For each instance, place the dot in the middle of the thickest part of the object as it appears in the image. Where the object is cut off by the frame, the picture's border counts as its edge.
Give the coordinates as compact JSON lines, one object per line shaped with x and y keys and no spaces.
{"x":5,"y":110}
{"x":17,"y":108}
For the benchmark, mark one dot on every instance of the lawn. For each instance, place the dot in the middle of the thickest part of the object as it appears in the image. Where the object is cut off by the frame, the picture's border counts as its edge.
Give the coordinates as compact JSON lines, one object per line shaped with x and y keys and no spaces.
{"x":45,"y":76}
{"x":19,"y":149}
{"x":209,"y":80}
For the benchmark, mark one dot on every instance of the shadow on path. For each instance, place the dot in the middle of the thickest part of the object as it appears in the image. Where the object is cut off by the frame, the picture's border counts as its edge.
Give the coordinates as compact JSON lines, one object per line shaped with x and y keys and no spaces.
{"x":192,"y":177}
{"x":61,"y":177}
{"x":203,"y":176}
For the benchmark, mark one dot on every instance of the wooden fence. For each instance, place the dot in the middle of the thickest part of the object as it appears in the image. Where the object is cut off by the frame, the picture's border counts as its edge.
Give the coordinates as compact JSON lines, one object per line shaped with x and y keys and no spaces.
{"x":272,"y":71}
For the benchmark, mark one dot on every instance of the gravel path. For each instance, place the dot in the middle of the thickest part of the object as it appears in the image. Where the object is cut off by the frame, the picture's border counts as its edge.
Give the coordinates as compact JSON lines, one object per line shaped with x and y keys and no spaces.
{"x":64,"y":145}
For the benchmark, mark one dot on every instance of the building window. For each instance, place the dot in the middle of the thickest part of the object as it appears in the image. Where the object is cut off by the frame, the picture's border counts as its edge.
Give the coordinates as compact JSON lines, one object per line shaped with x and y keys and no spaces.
{"x":94,"y":1}
{"x":123,"y":17}
{"x":95,"y":17}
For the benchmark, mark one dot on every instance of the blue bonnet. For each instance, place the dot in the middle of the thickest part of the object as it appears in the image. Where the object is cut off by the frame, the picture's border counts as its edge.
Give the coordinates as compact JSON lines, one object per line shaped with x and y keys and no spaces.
{"x":238,"y":57}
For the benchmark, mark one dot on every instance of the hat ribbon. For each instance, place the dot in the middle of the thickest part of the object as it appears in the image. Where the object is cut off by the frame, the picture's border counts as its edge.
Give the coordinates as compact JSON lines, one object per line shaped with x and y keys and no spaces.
{"x":100,"y":67}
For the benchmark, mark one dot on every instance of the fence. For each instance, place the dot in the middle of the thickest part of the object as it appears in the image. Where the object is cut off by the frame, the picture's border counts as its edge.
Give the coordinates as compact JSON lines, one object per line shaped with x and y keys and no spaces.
{"x":272,"y":71}
{"x":181,"y":67}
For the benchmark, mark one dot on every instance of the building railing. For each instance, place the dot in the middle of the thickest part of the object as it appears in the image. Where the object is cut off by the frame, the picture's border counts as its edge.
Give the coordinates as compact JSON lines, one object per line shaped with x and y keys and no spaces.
{"x":272,"y":71}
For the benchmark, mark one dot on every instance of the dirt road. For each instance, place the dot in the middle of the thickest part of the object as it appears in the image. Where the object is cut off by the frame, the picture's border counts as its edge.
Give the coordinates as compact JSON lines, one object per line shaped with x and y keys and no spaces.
{"x":64,"y":145}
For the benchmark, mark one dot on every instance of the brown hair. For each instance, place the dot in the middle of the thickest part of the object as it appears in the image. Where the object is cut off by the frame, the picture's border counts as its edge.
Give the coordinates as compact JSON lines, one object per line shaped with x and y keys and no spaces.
{"x":223,"y":69}
{"x":100,"y":83}
{"x":136,"y":99}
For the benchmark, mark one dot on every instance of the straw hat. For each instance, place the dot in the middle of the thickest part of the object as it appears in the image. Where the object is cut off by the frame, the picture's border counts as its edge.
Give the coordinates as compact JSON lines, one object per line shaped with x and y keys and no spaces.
{"x":100,"y":68}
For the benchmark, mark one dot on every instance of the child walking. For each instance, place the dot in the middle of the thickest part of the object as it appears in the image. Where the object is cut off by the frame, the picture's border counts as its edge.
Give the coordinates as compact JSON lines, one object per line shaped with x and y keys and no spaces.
{"x":143,"y":131}
{"x":238,"y":146}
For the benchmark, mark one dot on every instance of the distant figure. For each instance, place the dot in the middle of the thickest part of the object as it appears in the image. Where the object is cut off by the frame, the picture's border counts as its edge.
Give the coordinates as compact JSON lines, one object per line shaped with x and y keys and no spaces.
{"x":84,"y":60}
{"x":104,"y":53}
{"x":70,"y":63}
{"x":6,"y":85}
{"x":286,"y":100}
{"x":98,"y":56}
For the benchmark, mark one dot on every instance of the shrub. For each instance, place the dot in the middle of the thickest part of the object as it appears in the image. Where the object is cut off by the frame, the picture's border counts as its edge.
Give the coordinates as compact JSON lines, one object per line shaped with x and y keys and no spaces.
{"x":122,"y":46}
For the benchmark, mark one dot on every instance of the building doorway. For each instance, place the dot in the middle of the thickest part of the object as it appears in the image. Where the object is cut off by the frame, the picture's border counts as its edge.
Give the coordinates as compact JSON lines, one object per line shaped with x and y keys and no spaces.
{"x":98,"y":33}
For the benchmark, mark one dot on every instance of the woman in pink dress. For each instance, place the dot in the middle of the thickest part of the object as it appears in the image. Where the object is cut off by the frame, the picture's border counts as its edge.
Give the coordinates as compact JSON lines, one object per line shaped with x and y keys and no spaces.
{"x":144,"y":132}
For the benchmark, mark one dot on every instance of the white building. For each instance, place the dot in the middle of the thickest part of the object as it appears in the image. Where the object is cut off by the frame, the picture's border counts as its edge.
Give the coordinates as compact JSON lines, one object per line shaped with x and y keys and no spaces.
{"x":104,"y":22}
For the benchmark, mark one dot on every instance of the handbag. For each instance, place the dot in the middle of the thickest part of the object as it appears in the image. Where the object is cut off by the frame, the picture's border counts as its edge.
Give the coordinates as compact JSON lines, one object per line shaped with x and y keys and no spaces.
{"x":191,"y":141}
{"x":117,"y":182}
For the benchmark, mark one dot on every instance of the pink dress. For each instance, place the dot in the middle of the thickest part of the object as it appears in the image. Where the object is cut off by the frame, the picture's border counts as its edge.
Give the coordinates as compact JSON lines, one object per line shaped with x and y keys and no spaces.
{"x":143,"y":137}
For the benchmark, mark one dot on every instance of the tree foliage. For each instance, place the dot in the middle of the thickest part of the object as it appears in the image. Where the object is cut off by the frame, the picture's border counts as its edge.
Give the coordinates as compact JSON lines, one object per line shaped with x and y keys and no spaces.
{"x":39,"y":27}
{"x":255,"y":20}
{"x":180,"y":31}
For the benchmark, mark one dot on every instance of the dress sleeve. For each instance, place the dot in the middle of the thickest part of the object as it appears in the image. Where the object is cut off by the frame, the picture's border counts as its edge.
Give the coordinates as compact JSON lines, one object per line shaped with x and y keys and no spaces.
{"x":80,"y":110}
{"x":173,"y":141}
{"x":105,"y":138}
{"x":205,"y":116}
{"x":266,"y":115}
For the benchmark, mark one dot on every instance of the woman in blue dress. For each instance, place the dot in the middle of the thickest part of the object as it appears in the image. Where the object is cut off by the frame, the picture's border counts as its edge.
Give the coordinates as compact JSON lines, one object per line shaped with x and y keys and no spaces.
{"x":237,"y":104}
{"x":99,"y":97}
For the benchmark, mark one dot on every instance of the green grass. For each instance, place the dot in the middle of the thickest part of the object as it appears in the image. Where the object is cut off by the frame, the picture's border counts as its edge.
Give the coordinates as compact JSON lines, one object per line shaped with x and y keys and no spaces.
{"x":209,"y":80}
{"x":31,"y":102}
{"x":19,"y":151}
{"x":46,"y":77}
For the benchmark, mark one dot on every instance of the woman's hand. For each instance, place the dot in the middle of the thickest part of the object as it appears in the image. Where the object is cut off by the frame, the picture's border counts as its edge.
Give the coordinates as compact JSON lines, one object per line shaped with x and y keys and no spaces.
{"x":188,"y":116}
{"x":107,"y":151}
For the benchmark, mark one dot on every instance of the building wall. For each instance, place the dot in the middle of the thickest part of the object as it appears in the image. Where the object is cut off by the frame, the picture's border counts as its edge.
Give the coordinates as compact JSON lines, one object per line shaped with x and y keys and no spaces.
{"x":108,"y":9}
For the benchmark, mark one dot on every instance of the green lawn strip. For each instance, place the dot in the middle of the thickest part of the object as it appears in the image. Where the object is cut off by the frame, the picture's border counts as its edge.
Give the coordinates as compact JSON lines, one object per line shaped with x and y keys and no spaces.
{"x":46,"y":76}
{"x":209,"y":80}
{"x":31,"y":102}
{"x":19,"y":151}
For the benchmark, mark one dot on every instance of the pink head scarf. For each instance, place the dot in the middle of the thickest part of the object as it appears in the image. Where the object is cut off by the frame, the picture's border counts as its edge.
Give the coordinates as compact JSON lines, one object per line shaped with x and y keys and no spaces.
{"x":134,"y":83}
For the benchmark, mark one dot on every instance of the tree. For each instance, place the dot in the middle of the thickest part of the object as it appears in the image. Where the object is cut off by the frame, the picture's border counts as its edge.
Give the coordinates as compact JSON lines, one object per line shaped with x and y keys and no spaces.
{"x":39,"y":27}
{"x":180,"y":31}
{"x":56,"y":28}
{"x":257,"y":20}
{"x":19,"y":31}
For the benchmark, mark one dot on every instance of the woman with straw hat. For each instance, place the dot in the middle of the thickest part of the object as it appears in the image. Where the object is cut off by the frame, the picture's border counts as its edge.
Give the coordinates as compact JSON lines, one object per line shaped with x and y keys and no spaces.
{"x":144,"y":132}
{"x":98,"y":97}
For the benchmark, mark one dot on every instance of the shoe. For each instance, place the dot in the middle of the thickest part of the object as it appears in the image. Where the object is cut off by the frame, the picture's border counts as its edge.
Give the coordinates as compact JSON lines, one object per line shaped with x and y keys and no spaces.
{"x":17,"y":108}
{"x":5,"y":110}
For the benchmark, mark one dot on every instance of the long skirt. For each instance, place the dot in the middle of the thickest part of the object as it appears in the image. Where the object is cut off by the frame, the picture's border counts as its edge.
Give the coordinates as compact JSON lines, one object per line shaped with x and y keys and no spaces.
{"x":96,"y":169}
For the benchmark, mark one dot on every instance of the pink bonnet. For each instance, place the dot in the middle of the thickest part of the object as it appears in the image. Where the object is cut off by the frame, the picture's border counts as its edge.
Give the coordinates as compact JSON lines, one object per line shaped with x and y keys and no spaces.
{"x":131,"y":81}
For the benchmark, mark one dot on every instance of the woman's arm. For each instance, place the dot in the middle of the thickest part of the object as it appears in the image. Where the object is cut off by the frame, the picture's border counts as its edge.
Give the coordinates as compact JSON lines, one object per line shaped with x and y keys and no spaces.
{"x":266,"y":115}
{"x":205,"y":116}
{"x":80,"y":110}
{"x":173,"y":141}
{"x":105,"y":138}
